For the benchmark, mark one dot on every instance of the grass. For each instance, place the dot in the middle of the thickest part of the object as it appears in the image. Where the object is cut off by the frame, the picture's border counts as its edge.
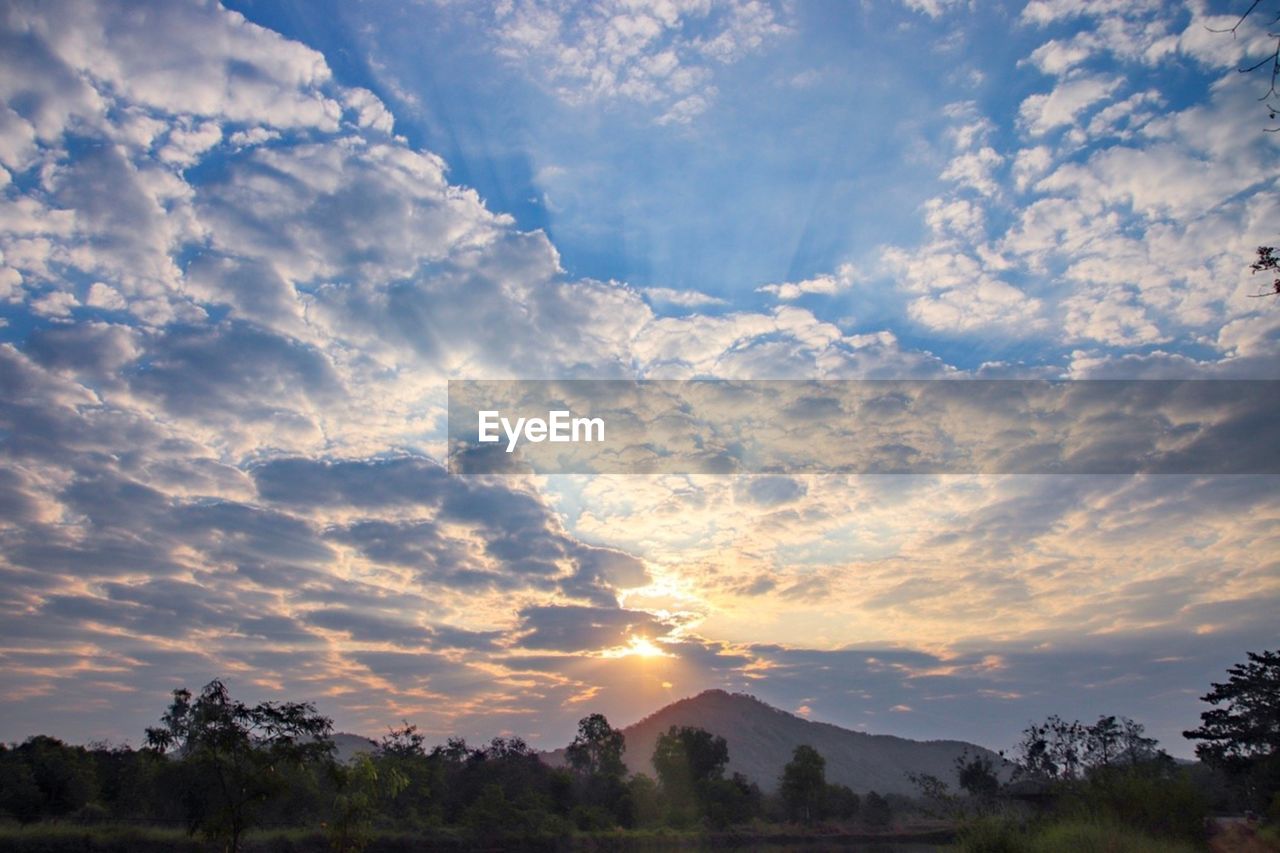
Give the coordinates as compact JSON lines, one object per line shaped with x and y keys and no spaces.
{"x":64,"y":837}
{"x":1083,"y":836}
{"x":1065,"y":836}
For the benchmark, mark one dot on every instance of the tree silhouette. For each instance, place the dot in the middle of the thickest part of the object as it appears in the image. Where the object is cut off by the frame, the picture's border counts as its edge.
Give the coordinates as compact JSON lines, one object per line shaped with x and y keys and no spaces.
{"x":1241,"y":733}
{"x":363,"y":787}
{"x":803,"y":783}
{"x":686,"y":755}
{"x":237,"y":752}
{"x":596,"y":751}
{"x":876,"y":810}
{"x":1057,"y":750}
{"x":1269,"y":263}
{"x":1267,"y":260}
{"x":595,"y":755}
{"x":1270,"y":62}
{"x":688,"y":760}
{"x":977,"y":777}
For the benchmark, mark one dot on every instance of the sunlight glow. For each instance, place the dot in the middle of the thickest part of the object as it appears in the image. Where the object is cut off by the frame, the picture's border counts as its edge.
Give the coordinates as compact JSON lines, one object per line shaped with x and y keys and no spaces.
{"x":639,"y":646}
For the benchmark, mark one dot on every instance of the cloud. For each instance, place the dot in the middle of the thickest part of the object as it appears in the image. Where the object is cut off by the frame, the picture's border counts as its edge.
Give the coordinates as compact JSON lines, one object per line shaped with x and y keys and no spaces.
{"x":1068,"y":100}
{"x":826,"y":284}
{"x":659,"y":54}
{"x":932,"y":8}
{"x":575,"y":629}
{"x":682,"y":298}
{"x":772,"y":491}
{"x":1057,"y":57}
{"x":974,"y":169}
{"x":976,"y":306}
{"x":176,"y":58}
{"x":233,"y":298}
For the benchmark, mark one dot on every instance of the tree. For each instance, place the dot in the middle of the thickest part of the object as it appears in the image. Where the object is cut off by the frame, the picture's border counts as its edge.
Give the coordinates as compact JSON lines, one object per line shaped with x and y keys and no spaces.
{"x":840,"y":802}
{"x":596,"y":751}
{"x":686,"y":755}
{"x":404,"y":742}
{"x":1103,"y":741}
{"x":1241,"y":733}
{"x":1269,"y":263}
{"x":1052,"y":750}
{"x":687,"y":759}
{"x":977,"y":777}
{"x":236,"y":753}
{"x":803,"y":784}
{"x":645,"y":803}
{"x":595,"y":755}
{"x":1270,"y":62}
{"x":1138,"y":750}
{"x":1061,"y":751}
{"x":1267,"y":260}
{"x":876,"y":810}
{"x":20,"y":797}
{"x":63,"y":775}
{"x":403,"y":751}
{"x":726,"y":802}
{"x":361,"y":790}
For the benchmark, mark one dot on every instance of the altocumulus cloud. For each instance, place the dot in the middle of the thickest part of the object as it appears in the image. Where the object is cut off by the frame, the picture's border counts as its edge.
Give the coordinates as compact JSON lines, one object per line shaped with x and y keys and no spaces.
{"x":232,"y":295}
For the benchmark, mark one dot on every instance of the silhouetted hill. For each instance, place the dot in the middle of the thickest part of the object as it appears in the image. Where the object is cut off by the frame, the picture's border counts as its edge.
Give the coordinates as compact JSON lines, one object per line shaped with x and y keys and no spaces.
{"x":761,"y":739}
{"x":348,"y":746}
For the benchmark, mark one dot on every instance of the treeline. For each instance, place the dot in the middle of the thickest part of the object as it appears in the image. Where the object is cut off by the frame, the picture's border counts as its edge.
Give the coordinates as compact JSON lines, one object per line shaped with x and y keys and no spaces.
{"x":1106,"y":785}
{"x":219,"y":768}
{"x":1107,"y":780}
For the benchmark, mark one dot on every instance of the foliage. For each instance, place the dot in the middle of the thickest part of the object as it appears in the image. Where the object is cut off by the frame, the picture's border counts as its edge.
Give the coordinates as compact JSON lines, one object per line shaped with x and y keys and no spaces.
{"x":1086,"y":834}
{"x":402,"y":751}
{"x":595,"y":755}
{"x":236,"y":754}
{"x":976,"y":775}
{"x":1100,"y":836}
{"x":685,"y":755}
{"x":840,"y":802}
{"x":596,"y":751}
{"x":979,"y":793}
{"x":1241,"y":733}
{"x":20,"y":797}
{"x":688,"y":761}
{"x":726,"y":802}
{"x":277,"y":760}
{"x":804,"y":784}
{"x":644,"y":801}
{"x":1157,"y":800}
{"x":1269,"y":263}
{"x":992,"y":834}
{"x":44,"y":778}
{"x":876,"y":811}
{"x":1111,"y":771}
{"x":361,"y":791}
{"x":1057,"y":750}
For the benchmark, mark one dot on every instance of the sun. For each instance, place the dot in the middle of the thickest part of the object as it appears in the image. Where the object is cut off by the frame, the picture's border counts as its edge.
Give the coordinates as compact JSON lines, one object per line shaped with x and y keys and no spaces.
{"x":639,"y":647}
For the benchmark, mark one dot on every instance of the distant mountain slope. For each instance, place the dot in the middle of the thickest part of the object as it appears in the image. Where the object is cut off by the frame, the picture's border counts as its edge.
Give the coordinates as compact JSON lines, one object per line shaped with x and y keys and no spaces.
{"x":761,"y":739}
{"x":348,"y":746}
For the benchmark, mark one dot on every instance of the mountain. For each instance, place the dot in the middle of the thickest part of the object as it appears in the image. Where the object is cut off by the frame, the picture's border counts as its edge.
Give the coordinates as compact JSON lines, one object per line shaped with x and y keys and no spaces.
{"x":761,"y":739}
{"x":348,"y":746}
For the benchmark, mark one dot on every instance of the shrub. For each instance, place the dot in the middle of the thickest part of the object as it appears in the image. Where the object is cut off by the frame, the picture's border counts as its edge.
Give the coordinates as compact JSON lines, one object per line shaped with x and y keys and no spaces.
{"x":1100,"y":836}
{"x":1165,"y":806}
{"x":990,"y":834}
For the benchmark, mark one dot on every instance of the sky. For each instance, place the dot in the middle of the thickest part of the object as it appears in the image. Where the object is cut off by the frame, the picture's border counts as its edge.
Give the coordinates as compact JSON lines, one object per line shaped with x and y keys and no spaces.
{"x":245,"y":246}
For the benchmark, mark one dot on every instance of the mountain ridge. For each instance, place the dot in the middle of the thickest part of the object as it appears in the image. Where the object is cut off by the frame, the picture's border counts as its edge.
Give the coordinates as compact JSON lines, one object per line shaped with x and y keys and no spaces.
{"x":761,"y":739}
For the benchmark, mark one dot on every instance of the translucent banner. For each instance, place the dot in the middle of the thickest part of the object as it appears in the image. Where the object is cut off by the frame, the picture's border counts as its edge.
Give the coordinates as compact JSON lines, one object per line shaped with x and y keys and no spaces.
{"x":864,"y":426}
